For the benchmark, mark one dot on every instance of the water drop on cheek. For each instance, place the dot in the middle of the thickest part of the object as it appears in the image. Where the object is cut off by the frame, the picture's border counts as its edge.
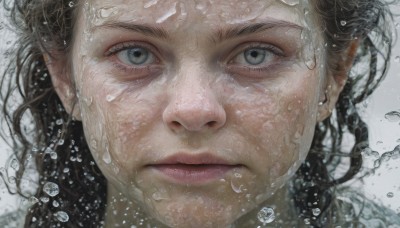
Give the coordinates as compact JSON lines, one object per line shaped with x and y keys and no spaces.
{"x":107,"y":157}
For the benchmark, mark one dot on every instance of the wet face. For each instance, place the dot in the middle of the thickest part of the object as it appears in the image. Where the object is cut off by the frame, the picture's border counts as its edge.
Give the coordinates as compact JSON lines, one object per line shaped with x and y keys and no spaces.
{"x":196,"y":113}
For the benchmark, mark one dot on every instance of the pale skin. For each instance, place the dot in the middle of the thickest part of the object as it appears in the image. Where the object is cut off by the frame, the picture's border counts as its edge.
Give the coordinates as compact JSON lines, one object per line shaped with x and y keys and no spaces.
{"x":247,"y":98}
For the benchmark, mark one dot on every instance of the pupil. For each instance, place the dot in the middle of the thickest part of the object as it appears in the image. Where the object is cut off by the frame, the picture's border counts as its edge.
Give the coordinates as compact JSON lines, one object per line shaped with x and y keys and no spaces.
{"x":254,"y":54}
{"x":137,"y":53}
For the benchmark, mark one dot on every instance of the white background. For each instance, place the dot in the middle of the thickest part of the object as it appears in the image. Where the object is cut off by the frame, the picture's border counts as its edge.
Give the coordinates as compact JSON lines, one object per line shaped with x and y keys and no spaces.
{"x":384,"y":135}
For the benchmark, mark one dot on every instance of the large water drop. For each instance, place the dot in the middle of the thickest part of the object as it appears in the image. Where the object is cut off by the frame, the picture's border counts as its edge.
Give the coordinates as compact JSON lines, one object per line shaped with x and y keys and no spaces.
{"x":62,"y":216}
{"x":51,"y":189}
{"x":168,"y":13}
{"x":266,"y":215}
{"x":393,"y":116}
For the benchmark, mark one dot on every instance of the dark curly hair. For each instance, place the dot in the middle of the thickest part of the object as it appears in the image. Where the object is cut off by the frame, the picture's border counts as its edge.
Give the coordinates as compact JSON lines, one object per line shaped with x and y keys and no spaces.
{"x":57,"y":142}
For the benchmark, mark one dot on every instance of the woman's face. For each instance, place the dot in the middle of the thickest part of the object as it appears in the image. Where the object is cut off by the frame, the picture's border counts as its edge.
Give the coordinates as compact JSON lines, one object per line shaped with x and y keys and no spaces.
{"x":196,"y":111}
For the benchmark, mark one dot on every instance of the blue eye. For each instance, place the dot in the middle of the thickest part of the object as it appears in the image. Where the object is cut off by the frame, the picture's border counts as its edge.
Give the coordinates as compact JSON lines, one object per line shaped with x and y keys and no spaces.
{"x":255,"y":56}
{"x":136,"y":56}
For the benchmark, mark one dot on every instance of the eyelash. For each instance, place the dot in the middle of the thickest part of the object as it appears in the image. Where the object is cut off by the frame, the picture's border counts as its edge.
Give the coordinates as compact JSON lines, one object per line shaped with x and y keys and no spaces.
{"x":275,"y":51}
{"x":131,"y":69}
{"x":116,"y":49}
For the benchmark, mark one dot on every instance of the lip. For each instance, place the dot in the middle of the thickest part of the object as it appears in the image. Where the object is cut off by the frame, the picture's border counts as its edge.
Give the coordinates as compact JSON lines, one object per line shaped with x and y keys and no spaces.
{"x":186,"y":168}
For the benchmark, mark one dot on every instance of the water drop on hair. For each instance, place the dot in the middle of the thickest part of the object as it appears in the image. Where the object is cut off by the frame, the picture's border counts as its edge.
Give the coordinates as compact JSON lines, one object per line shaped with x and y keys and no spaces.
{"x":14,"y":164}
{"x":44,"y":199}
{"x":62,"y":216}
{"x":316,"y":211}
{"x":266,"y":215}
{"x":343,"y":23}
{"x":55,"y":203}
{"x":51,"y":189}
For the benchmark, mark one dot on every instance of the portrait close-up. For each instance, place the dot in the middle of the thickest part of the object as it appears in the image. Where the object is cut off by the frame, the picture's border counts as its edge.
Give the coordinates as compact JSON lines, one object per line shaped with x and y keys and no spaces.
{"x":200,"y":113}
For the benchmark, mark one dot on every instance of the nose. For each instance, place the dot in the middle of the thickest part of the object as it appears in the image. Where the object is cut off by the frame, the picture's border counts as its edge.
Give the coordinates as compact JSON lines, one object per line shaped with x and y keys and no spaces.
{"x":193,"y":107}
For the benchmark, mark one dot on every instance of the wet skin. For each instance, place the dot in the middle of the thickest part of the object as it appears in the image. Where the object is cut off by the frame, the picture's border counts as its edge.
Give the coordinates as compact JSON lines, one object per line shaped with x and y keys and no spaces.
{"x":195,"y":114}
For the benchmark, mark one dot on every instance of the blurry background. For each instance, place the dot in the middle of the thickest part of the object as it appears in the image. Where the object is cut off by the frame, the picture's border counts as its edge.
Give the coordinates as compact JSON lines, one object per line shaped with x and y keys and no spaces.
{"x":382,"y":113}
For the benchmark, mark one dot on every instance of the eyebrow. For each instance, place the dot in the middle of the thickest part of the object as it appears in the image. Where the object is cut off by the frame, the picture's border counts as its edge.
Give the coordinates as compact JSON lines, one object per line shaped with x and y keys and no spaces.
{"x":156,"y":32}
{"x":248,"y":29}
{"x":220,"y":35}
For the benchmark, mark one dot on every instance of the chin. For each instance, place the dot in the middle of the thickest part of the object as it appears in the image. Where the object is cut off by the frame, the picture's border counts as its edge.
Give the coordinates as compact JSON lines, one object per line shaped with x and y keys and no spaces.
{"x":197,"y":213}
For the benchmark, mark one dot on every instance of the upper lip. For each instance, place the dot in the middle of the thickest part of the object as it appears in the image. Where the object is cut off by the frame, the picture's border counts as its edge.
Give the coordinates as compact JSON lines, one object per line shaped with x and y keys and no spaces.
{"x":193,"y":159}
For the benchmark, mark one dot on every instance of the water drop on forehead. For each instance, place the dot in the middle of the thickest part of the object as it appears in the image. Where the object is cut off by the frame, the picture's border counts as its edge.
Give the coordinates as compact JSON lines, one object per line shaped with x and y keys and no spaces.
{"x":167,"y":13}
{"x":150,"y":3}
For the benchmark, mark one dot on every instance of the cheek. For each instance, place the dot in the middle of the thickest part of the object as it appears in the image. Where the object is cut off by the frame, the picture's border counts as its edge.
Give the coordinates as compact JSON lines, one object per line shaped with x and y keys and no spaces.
{"x":116,"y":121}
{"x":279,"y":124}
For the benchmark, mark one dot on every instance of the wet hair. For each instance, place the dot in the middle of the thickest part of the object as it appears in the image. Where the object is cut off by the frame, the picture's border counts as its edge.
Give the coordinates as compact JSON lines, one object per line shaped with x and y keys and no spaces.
{"x":60,"y":151}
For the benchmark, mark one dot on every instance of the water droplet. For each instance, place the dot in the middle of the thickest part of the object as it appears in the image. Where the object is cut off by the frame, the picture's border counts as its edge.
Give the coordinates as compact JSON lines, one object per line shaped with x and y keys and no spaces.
{"x":390,"y":194}
{"x":393,"y":116}
{"x":60,"y":142}
{"x":397,"y":59}
{"x":71,"y":4}
{"x":307,"y":221}
{"x":14,"y":164}
{"x":238,"y":188}
{"x":291,"y":2}
{"x":168,"y":13}
{"x":33,"y":200}
{"x":53,"y":155}
{"x":150,"y":3}
{"x":62,"y":216}
{"x":310,"y":63}
{"x":107,"y":12}
{"x":110,"y":98}
{"x":66,"y":170}
{"x":51,"y":189}
{"x":266,"y":215}
{"x":316,"y":211}
{"x":343,"y":23}
{"x":55,"y":203}
{"x":33,"y":219}
{"x":377,"y":163}
{"x":44,"y":199}
{"x":12,"y":180}
{"x":59,"y":121}
{"x":158,"y":196}
{"x":107,"y":157}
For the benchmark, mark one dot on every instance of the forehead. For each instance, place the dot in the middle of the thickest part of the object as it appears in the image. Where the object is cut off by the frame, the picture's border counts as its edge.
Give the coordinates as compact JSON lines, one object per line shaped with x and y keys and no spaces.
{"x":186,"y":13}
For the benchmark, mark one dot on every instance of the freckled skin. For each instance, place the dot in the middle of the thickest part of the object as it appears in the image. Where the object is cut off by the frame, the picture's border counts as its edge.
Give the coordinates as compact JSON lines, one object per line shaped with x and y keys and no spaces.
{"x":262,"y":120}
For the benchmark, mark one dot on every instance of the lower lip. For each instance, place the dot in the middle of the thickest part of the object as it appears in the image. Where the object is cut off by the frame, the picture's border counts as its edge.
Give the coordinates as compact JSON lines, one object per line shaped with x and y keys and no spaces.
{"x":193,"y":174}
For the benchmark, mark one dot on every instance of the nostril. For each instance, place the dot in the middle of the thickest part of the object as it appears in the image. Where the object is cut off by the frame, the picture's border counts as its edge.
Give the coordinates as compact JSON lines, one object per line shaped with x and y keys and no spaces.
{"x":212,"y":124}
{"x":175,"y":124}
